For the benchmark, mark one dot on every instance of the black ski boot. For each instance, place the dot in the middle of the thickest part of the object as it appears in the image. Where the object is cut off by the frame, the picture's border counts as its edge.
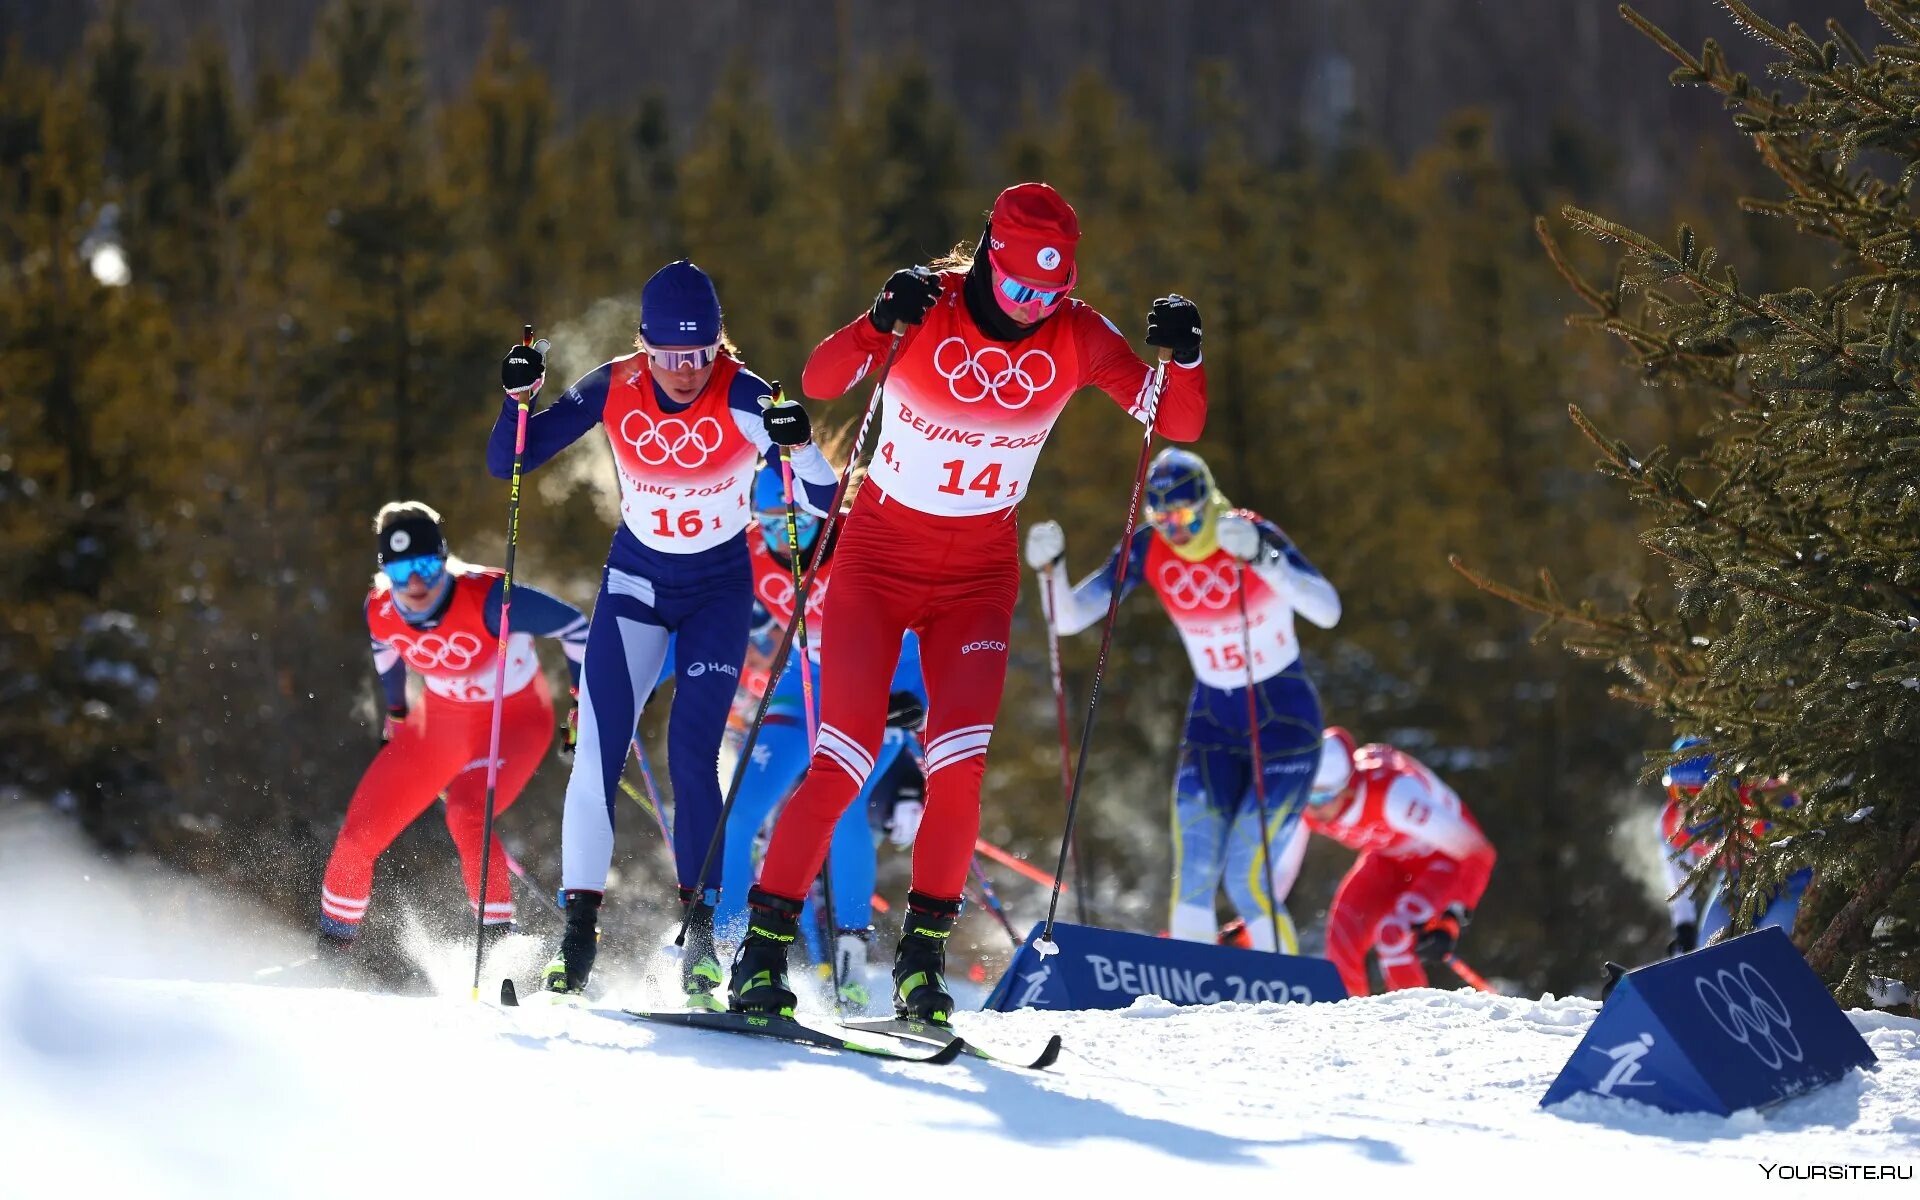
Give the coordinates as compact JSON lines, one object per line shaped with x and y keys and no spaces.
{"x":699,"y":962}
{"x":567,"y":973}
{"x":759,"y":982}
{"x":920,"y":962}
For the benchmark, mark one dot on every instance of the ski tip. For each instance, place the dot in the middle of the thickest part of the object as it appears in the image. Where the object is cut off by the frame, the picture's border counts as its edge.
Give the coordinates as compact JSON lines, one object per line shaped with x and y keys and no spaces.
{"x":1048,"y":1056}
{"x":947,"y":1053}
{"x":509,"y":998}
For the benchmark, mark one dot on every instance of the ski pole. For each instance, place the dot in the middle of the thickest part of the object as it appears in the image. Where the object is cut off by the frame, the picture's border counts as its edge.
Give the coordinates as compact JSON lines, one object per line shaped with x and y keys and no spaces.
{"x":1259,"y":767}
{"x":1066,"y":750}
{"x":654,"y":803}
{"x":523,"y":401}
{"x":992,"y":901}
{"x":519,"y":872}
{"x":1007,"y":860}
{"x":1155,"y":383}
{"x":1472,"y":977}
{"x":780,"y":653}
{"x":831,"y":937}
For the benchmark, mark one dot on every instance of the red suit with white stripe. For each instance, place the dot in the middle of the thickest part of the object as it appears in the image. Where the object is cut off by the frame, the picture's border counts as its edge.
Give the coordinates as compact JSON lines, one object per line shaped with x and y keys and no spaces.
{"x":930,"y":545}
{"x":442,"y":746}
{"x":1420,"y":852}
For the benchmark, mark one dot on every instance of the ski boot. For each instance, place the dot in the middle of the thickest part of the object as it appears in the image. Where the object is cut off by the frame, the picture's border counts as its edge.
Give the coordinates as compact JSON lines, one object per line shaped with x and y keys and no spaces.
{"x":699,"y":962}
{"x":759,"y":982}
{"x":850,"y":952}
{"x":920,"y":962}
{"x":567,"y":974}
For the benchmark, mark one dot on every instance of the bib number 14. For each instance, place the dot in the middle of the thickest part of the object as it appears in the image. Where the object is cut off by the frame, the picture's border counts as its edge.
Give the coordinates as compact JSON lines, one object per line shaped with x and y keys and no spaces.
{"x":986,"y":481}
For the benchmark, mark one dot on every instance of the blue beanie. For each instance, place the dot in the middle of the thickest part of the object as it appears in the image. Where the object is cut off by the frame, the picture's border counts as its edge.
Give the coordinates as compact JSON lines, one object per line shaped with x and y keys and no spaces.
{"x":679,"y":307}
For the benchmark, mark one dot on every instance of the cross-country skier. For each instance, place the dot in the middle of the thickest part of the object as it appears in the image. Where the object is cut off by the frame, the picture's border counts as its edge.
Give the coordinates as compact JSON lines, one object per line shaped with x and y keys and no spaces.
{"x":1422,"y":868}
{"x":781,"y":751}
{"x":1193,"y":551}
{"x":1685,"y":842}
{"x":687,"y":427}
{"x":993,"y":349}
{"x":438,"y":617}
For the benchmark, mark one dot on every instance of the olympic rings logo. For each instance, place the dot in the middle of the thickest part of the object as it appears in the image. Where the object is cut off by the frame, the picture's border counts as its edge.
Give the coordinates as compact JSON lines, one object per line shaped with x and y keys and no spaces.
{"x":1762,"y":1025}
{"x":979,"y":375}
{"x":670,"y":440}
{"x":433,"y":652}
{"x":776,"y":594}
{"x":1196,"y":586}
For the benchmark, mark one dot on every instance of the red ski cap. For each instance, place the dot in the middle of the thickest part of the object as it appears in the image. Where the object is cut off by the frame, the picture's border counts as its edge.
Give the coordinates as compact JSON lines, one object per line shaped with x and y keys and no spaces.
{"x":1034,"y":235}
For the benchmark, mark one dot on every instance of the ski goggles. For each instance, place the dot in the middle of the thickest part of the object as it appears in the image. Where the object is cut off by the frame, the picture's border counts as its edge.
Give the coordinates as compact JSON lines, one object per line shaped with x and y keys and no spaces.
{"x":1180,"y":518}
{"x":683,"y":360}
{"x":1022,"y":302}
{"x":773,"y":525}
{"x":428,"y":567}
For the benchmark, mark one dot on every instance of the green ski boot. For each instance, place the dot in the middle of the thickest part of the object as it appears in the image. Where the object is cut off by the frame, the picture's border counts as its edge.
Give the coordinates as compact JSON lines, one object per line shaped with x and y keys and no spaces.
{"x":759,"y":981}
{"x":920,"y":962}
{"x":567,"y":974}
{"x":700,"y":975}
{"x":850,"y":950}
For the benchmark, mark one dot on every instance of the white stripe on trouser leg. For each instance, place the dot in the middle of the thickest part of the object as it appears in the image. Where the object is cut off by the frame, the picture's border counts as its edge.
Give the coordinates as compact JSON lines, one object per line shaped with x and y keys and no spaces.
{"x":950,"y":748}
{"x":341,"y":906}
{"x":845,"y":753}
{"x":586,"y":828}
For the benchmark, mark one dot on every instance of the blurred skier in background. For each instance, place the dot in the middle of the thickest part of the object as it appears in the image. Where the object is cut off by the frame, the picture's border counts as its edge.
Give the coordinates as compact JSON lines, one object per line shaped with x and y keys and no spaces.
{"x":785,"y":743}
{"x":1688,"y":839}
{"x":1192,"y":550}
{"x":433,"y":615}
{"x":1423,"y":865}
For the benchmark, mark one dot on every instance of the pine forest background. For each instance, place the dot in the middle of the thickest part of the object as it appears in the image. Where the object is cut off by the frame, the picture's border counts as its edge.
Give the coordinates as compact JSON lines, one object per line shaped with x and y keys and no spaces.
{"x":335,"y":217}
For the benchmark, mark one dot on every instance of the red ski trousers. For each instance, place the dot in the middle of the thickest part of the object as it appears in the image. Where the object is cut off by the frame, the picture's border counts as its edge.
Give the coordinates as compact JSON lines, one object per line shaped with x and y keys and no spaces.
{"x":953,"y":581}
{"x":1381,"y":905}
{"x":442,"y":747}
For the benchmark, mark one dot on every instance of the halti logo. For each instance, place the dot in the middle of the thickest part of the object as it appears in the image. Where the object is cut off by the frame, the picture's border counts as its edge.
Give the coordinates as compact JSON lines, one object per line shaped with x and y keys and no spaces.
{"x":696,"y":670}
{"x":970,"y":647}
{"x":1625,"y":1071}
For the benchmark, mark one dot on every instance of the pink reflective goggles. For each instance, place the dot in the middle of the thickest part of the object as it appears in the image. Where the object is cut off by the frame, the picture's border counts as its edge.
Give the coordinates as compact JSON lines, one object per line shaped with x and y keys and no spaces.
{"x":681,"y":360}
{"x":1022,"y":302}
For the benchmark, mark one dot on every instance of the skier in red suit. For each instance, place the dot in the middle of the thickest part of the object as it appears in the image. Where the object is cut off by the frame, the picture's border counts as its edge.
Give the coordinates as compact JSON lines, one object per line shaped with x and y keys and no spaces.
{"x":993,"y":349}
{"x":1423,"y":861}
{"x":440,"y":618}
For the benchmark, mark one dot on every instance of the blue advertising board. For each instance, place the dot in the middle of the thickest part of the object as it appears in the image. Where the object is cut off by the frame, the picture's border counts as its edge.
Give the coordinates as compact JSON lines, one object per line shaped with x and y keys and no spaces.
{"x":1741,"y":1024}
{"x":1104,"y":968}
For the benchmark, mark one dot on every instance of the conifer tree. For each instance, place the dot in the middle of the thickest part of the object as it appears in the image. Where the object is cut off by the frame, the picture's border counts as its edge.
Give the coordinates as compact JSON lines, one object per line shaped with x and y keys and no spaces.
{"x":1788,"y":633}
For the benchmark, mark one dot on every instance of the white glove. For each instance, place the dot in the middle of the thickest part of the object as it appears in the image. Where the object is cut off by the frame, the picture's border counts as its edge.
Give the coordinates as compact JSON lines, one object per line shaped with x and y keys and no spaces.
{"x":1046,"y":542}
{"x":905,"y":822}
{"x":1239,"y":537}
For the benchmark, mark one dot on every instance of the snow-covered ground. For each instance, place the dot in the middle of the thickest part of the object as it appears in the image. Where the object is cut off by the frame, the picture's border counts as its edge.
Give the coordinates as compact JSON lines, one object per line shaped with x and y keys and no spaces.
{"x":154,"y":1087}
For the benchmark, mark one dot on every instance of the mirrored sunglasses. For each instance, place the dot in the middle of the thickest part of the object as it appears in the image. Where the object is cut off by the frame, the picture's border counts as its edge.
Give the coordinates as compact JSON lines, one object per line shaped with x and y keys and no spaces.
{"x":1020,"y":293}
{"x":1183,"y":516}
{"x":681,"y":360}
{"x":429,"y":567}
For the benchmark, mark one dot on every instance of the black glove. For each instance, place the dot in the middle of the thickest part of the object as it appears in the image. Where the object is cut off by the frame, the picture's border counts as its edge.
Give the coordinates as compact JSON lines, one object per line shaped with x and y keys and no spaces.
{"x":1437,"y":938}
{"x":908,"y":295}
{"x":522,"y":368}
{"x":1174,"y":324}
{"x":1686,"y":939}
{"x":396,"y":717}
{"x":905,"y":711}
{"x":570,"y":732}
{"x":786,"y":424}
